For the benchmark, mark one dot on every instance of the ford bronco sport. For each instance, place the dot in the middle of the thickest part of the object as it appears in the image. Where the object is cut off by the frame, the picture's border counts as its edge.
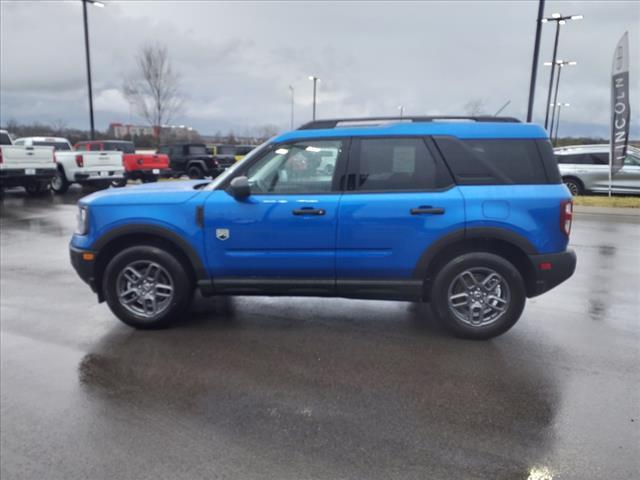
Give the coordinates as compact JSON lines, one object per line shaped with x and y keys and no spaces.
{"x":469,"y":214}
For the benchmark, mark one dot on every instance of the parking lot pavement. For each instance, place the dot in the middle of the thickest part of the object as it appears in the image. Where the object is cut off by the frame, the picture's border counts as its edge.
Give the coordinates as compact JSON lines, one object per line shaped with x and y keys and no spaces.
{"x":298,"y":388}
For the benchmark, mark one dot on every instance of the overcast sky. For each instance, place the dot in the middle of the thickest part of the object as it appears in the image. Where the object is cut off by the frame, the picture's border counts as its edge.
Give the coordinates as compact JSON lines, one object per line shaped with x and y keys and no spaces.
{"x":237,"y":59}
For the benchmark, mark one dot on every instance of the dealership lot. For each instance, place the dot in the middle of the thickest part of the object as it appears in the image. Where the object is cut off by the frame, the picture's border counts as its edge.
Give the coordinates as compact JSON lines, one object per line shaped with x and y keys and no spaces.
{"x":295,"y":388}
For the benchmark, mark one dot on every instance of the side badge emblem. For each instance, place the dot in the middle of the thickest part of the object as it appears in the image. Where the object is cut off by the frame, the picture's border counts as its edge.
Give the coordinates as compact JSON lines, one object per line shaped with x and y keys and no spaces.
{"x":222,"y":233}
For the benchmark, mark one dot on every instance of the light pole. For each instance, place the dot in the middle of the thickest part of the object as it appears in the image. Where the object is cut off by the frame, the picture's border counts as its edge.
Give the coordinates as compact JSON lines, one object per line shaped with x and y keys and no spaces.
{"x":559,"y":105}
{"x":401,"y":108}
{"x":534,"y":65}
{"x":560,"y":64}
{"x":315,"y":81}
{"x":86,"y":50}
{"x":560,"y":20}
{"x":292,"y":103}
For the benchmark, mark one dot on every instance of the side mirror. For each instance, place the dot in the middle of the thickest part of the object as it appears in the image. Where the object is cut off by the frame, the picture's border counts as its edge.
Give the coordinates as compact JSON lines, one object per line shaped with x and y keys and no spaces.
{"x":240,"y":188}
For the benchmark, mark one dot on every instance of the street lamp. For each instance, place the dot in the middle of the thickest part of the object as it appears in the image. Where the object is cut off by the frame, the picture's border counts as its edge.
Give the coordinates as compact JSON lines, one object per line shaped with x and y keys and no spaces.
{"x":559,"y":105}
{"x":315,"y":81}
{"x":401,"y":108}
{"x":560,"y":20}
{"x":86,"y":50}
{"x":560,"y":64}
{"x":292,"y":103}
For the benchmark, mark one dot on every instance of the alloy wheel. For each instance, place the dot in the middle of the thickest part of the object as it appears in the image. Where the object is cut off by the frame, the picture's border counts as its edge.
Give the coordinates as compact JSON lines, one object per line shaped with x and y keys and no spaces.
{"x":145,"y":288}
{"x":479,"y":296}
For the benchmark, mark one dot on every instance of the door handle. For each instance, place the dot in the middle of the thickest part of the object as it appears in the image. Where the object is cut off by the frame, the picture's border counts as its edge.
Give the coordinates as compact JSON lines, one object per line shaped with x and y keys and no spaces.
{"x":308,"y":211}
{"x":428,"y":210}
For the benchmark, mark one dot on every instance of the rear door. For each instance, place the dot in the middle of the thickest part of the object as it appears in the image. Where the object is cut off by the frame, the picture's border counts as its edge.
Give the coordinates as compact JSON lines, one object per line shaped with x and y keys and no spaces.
{"x":400,"y":198}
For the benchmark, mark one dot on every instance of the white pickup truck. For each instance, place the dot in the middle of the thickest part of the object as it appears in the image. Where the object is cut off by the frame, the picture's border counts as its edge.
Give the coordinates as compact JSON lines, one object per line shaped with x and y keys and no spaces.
{"x":97,"y":168}
{"x":30,"y":167}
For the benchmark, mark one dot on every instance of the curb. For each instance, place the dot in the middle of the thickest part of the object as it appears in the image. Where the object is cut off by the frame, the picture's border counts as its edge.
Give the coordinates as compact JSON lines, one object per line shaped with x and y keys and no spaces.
{"x":634,"y":212}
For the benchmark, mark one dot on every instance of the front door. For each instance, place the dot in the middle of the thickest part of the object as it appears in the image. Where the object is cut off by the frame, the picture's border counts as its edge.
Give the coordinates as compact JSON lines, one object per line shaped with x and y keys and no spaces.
{"x":400,"y":200}
{"x":284,"y":234}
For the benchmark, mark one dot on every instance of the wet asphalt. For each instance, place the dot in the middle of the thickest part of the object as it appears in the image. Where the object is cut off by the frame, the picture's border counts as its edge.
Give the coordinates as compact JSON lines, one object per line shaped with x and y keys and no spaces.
{"x":300,"y":388}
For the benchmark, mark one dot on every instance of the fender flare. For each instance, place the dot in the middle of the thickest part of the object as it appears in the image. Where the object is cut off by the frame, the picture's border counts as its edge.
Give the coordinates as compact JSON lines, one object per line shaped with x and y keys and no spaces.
{"x":493,"y":233}
{"x":156,"y":231}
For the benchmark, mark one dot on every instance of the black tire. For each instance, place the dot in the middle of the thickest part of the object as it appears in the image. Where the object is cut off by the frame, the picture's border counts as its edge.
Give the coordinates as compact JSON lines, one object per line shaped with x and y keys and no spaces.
{"x":176,"y":307}
{"x":121,"y":182}
{"x":37,"y":189}
{"x":195,"y":172}
{"x":478,"y":263}
{"x":59,"y":184}
{"x":574,"y":185}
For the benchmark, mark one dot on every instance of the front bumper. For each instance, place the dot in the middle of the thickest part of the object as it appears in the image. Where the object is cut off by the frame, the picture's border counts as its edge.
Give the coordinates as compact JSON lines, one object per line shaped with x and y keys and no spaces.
{"x":84,"y":266}
{"x":550,"y":271}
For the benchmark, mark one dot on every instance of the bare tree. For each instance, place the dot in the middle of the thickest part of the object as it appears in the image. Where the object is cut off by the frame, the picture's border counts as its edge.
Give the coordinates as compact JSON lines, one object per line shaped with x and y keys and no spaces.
{"x":154,"y":93}
{"x":59,"y":126}
{"x":474,"y":107}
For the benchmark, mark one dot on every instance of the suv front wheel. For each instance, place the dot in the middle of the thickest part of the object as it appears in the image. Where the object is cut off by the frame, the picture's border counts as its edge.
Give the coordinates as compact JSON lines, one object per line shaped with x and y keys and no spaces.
{"x":147,"y":287}
{"x":478,"y":295}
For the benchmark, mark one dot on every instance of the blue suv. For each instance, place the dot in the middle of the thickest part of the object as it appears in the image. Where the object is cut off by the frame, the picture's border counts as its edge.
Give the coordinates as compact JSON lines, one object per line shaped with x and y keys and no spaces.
{"x":467,"y":213}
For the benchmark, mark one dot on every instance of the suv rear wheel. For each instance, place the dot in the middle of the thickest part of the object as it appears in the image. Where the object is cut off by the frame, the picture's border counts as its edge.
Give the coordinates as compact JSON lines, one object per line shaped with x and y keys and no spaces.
{"x":478,"y":295}
{"x":147,"y":287}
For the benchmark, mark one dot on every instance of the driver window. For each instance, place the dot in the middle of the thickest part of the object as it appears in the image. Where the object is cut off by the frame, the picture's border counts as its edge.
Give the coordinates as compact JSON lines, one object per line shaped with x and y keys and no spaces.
{"x":303,"y":167}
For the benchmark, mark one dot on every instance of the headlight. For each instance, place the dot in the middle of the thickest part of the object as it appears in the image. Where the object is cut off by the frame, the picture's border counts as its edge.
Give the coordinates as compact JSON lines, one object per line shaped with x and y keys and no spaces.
{"x":82,"y":220}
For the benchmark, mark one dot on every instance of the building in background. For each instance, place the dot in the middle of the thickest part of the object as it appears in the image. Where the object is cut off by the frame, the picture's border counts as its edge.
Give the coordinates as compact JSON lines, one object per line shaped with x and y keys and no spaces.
{"x":173,"y":132}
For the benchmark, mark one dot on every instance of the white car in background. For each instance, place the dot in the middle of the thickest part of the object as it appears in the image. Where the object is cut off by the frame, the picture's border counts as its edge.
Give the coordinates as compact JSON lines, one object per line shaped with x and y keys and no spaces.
{"x":585,"y":169}
{"x":30,"y":167}
{"x":96,"y":168}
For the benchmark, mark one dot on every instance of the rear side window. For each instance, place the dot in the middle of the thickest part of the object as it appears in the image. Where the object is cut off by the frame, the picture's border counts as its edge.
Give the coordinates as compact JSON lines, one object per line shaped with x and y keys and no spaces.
{"x":226,"y":150}
{"x":197,"y":150}
{"x":396,"y":164}
{"x":493,"y":161}
{"x":584,"y":159}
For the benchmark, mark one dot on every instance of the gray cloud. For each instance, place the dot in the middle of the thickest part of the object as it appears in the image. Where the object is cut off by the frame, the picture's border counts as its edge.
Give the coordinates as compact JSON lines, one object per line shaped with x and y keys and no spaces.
{"x":237,"y":59}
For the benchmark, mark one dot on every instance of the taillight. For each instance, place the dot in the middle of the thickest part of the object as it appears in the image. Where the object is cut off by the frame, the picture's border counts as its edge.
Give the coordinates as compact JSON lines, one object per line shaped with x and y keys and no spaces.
{"x":566,"y":216}
{"x":79,"y":161}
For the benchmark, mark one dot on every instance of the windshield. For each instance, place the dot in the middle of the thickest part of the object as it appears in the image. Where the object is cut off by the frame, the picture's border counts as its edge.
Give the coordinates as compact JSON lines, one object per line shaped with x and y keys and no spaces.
{"x":56,"y":145}
{"x":231,"y":170}
{"x":124,"y":147}
{"x":5,"y":139}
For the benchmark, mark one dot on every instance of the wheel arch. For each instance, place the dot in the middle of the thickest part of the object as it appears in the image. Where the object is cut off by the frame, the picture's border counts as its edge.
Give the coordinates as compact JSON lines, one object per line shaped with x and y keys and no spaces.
{"x":504,"y":243}
{"x":118,"y":239}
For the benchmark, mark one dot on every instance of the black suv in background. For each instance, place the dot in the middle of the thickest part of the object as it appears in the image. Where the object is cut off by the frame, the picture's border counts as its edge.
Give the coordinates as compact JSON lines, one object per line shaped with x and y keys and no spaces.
{"x":192,"y":159}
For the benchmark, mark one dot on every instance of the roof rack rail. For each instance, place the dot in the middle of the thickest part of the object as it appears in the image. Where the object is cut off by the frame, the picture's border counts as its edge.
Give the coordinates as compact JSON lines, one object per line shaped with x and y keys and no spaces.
{"x":368,"y":121}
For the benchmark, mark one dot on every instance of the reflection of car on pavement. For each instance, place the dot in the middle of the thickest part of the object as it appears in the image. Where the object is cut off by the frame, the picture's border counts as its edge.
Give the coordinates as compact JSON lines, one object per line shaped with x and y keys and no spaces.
{"x":471,"y":216}
{"x":585,"y":168}
{"x":31,"y":167}
{"x":137,"y":166}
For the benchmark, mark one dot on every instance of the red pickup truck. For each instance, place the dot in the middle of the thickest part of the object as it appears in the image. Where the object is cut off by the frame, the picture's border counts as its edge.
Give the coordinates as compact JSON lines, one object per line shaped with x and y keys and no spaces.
{"x":137,"y":166}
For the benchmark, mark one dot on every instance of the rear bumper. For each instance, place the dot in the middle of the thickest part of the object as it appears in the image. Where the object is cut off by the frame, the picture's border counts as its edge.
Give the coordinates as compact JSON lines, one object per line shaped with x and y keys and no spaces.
{"x":97,"y":177}
{"x":15,"y":177}
{"x":148,"y":173}
{"x":550,"y":271}
{"x":85,"y":268}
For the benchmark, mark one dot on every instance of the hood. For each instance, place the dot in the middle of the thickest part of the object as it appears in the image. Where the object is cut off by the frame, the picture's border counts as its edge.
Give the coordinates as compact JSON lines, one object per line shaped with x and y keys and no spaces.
{"x":158,"y":193}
